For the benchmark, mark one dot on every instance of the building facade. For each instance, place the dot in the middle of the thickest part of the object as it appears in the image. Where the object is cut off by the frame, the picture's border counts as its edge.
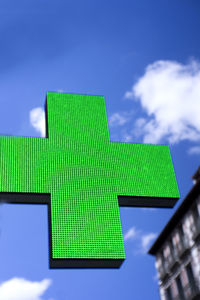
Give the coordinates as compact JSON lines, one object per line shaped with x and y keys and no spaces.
{"x":177,"y":250}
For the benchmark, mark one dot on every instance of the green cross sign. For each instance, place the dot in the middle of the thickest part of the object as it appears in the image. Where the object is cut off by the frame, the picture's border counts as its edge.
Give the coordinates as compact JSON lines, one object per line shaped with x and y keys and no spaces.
{"x":83,"y":177}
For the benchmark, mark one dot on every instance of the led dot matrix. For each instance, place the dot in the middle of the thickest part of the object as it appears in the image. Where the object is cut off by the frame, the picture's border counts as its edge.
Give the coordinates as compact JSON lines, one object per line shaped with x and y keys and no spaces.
{"x":83,"y":177}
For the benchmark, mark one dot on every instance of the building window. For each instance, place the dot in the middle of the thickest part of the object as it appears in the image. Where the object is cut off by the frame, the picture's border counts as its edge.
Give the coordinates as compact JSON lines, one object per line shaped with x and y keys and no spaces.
{"x":191,"y":279}
{"x":195,"y":212}
{"x":172,"y":248}
{"x":171,"y":255}
{"x":190,"y":274}
{"x":181,"y":241}
{"x":161,"y":266}
{"x":181,"y":231}
{"x":195,"y":223}
{"x":166,"y":251}
{"x":168,"y":293}
{"x":177,"y":238}
{"x":191,"y":219}
{"x":180,"y":288}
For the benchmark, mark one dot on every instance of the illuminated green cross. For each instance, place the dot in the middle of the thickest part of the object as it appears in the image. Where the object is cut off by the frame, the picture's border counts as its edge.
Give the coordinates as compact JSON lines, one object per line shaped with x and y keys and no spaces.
{"x":83,"y":177}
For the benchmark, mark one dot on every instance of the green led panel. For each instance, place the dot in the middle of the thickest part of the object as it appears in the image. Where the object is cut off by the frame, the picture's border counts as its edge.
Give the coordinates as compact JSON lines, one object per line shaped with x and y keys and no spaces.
{"x":83,"y":177}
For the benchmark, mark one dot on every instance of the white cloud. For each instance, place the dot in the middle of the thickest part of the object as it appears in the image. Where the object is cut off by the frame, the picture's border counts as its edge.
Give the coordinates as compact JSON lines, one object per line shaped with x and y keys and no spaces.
{"x":22,"y":289}
{"x":131,"y":233}
{"x":117,"y":119}
{"x":169,"y":93}
{"x":194,"y":150}
{"x":127,"y":138}
{"x":142,"y":241}
{"x":146,"y":240}
{"x":37,"y":120}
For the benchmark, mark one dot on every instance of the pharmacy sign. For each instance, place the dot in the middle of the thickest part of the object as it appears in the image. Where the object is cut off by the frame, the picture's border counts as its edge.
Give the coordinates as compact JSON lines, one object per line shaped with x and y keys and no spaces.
{"x":84,"y":178}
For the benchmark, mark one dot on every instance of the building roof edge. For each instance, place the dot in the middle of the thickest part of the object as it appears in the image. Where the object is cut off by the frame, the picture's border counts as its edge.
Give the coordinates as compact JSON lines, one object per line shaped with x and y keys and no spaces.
{"x":175,"y":219}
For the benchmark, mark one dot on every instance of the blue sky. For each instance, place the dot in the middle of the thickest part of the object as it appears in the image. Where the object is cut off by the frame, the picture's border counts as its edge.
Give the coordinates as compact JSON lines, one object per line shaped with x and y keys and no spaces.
{"x":144,"y":58}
